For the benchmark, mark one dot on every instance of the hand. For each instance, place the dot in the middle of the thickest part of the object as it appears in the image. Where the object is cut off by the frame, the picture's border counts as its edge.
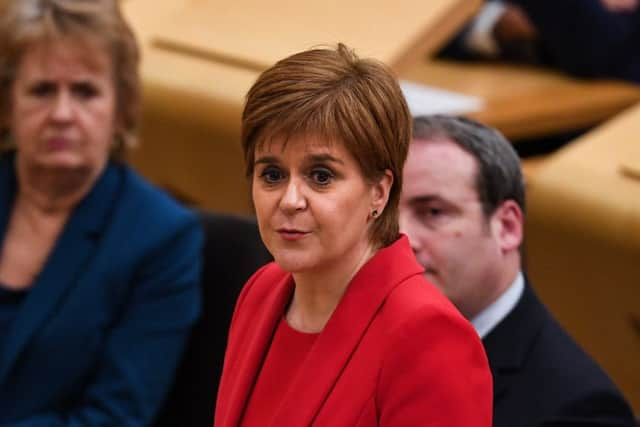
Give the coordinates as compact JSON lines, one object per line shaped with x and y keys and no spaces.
{"x":515,"y":25}
{"x":620,"y":5}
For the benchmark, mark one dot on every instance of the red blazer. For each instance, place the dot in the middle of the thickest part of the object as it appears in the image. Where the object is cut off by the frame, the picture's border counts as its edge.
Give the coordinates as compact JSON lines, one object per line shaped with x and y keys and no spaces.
{"x":395,"y":352}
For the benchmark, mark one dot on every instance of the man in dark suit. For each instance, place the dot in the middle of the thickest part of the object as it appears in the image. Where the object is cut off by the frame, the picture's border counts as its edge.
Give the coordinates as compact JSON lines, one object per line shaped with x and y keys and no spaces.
{"x":462,"y":207}
{"x":591,"y":38}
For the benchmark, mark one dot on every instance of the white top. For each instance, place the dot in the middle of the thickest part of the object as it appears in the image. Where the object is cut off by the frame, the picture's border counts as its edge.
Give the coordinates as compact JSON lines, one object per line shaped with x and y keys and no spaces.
{"x":480,"y":39}
{"x":488,"y":318}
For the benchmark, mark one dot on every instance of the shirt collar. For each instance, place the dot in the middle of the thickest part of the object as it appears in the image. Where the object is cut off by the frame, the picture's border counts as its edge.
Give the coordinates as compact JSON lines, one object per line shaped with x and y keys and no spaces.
{"x":487,"y":319}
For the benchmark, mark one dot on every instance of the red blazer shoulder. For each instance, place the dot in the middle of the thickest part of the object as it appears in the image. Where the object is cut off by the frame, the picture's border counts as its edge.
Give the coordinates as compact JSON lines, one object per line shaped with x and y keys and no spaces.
{"x":394,"y":353}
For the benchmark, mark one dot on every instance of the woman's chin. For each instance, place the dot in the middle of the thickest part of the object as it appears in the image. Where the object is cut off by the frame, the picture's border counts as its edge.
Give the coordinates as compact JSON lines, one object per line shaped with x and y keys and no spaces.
{"x":62,"y":161}
{"x":293,"y":264}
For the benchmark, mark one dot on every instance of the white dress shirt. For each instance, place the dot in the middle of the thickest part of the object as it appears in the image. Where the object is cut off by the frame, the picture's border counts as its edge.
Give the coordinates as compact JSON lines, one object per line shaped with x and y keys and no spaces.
{"x":487,"y":319}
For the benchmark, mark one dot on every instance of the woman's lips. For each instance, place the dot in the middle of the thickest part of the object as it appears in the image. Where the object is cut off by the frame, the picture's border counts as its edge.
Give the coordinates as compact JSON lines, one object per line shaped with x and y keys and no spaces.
{"x":58,"y":143}
{"x":289,"y":234}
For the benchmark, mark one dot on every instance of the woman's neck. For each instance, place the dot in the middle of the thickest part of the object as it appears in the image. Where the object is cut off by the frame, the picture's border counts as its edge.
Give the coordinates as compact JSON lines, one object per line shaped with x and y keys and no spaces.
{"x":318,"y":293}
{"x":53,"y":190}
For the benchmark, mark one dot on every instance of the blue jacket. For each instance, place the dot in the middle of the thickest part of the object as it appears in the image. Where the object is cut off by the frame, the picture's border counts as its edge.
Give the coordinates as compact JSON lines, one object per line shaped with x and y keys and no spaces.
{"x":97,"y":339}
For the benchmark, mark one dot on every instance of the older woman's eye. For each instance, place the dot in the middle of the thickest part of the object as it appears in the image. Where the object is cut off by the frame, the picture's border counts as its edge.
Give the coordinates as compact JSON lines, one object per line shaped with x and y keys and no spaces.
{"x":322,"y":176}
{"x":42,"y":89}
{"x":84,"y":90}
{"x":271,"y":175}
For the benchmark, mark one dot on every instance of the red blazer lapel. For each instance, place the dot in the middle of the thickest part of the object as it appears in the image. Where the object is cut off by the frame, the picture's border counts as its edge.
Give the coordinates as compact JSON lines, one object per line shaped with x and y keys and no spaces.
{"x":341,"y":336}
{"x":253,"y":326}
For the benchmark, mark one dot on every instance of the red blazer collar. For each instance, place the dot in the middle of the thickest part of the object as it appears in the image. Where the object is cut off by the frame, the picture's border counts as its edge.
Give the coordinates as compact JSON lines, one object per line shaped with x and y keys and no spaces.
{"x":331,"y":351}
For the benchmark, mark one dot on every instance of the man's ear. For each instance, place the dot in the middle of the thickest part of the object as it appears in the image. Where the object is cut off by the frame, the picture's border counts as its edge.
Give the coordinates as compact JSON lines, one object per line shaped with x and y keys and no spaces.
{"x":507,"y":226}
{"x":380,"y":191}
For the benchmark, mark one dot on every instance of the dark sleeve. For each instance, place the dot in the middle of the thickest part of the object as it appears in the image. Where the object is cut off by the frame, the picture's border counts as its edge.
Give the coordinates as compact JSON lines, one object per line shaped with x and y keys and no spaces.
{"x":602,"y":408}
{"x":144,"y":346}
{"x":232,"y":252}
{"x":582,"y":37}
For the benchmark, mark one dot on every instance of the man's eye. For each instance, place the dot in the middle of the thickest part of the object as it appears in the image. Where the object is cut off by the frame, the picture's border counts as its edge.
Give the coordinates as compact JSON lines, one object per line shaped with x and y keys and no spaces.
{"x":434,"y":212}
{"x":429,"y":213}
{"x":271,"y":175}
{"x":321,"y":176}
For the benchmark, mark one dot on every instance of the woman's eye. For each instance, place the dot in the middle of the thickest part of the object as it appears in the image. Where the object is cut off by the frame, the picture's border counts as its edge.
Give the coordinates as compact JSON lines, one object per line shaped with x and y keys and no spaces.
{"x":271,"y":175}
{"x":42,"y":89}
{"x":321,"y":176}
{"x":84,"y":90}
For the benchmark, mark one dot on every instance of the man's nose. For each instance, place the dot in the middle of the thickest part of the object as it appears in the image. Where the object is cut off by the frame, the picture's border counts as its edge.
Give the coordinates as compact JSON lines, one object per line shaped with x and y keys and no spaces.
{"x":407,"y":227}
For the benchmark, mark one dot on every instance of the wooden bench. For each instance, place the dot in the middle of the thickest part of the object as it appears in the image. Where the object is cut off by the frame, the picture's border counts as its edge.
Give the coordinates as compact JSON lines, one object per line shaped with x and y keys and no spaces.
{"x":194,"y":87}
{"x":583,"y":244}
{"x":526,"y":102}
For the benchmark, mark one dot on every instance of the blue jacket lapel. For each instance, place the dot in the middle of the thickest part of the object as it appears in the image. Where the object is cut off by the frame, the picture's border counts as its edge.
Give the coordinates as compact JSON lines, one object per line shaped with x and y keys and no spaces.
{"x":68,"y":260}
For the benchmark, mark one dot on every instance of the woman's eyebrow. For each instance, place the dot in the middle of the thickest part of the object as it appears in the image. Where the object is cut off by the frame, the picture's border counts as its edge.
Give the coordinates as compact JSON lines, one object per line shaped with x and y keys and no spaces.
{"x":325,"y":158}
{"x":266,"y":160}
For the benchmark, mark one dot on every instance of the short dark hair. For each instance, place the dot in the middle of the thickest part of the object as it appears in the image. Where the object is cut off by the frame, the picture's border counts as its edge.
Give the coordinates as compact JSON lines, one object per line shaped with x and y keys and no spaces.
{"x":333,"y":94}
{"x":499,"y":176}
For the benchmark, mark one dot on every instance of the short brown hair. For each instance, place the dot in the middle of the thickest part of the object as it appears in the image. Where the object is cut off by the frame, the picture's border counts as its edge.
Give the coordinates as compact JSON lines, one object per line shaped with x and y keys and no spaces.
{"x":333,"y":94}
{"x":27,"y":22}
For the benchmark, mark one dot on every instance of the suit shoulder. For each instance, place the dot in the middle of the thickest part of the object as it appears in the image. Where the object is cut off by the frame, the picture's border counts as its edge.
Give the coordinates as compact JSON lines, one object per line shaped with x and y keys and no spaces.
{"x":534,"y":355}
{"x":572,"y":363}
{"x":415,"y":298}
{"x":261,"y":283}
{"x":416,"y":312}
{"x":141,"y":193}
{"x":151,"y":220}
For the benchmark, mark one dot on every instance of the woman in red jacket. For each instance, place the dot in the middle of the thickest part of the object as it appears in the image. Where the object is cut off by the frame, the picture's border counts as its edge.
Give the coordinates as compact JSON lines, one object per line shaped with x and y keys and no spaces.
{"x":342,"y":329}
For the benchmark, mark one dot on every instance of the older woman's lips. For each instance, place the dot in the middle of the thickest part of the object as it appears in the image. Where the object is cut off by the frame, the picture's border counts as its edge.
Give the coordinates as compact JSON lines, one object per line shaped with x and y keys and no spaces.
{"x":57,"y":143}
{"x":289,"y":234}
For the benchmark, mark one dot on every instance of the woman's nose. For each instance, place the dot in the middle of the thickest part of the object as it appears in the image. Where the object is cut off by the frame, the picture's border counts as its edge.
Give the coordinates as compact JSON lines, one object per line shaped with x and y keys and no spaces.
{"x":293,"y":198}
{"x":62,"y":109}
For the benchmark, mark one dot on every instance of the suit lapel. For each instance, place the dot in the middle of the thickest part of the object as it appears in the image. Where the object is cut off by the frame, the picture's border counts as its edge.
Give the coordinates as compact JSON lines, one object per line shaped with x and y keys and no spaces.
{"x":341,"y":336}
{"x":69,"y":258}
{"x":508,"y":345}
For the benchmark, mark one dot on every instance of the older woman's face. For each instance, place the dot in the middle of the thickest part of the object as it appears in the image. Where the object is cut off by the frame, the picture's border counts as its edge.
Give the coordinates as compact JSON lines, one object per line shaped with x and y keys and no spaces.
{"x":313,"y":204}
{"x":63,"y":106}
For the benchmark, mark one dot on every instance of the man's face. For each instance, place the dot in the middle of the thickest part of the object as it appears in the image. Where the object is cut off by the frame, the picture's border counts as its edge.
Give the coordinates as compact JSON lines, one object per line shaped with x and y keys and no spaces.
{"x":441,"y":213}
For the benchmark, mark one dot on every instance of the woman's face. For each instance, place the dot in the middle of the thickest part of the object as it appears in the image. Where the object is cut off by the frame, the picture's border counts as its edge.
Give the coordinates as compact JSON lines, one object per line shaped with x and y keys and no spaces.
{"x":313,"y":204}
{"x":63,"y":106}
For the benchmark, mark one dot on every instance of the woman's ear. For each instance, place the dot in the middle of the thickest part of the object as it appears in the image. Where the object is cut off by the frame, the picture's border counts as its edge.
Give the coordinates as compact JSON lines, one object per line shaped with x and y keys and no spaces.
{"x":380,"y":192}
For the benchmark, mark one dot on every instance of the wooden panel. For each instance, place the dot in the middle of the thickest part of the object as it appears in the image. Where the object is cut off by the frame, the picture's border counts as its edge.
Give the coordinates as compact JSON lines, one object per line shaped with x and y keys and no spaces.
{"x":525,"y":102}
{"x":583,"y":244}
{"x":190,"y":129}
{"x":255,"y":34}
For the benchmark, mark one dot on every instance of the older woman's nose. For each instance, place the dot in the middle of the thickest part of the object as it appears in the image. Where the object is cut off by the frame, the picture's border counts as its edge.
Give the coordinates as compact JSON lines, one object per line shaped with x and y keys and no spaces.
{"x":293,"y":198}
{"x":62,"y":108}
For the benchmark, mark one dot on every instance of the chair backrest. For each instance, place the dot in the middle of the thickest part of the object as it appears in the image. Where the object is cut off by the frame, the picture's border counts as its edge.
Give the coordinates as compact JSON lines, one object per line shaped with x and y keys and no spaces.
{"x":232,"y":252}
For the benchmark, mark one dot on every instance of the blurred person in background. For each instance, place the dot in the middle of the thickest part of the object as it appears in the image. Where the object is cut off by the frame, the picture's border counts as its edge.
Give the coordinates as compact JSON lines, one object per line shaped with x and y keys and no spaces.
{"x":462,"y":207}
{"x":589,"y":38}
{"x":342,"y":329}
{"x":98,"y":269}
